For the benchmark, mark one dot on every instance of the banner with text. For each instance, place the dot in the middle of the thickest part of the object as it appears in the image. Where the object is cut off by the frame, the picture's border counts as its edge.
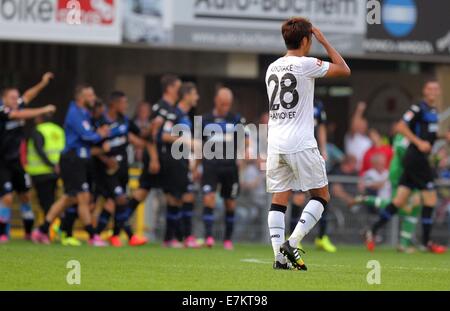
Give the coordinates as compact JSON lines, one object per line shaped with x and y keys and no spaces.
{"x":241,"y":25}
{"x":83,"y":21}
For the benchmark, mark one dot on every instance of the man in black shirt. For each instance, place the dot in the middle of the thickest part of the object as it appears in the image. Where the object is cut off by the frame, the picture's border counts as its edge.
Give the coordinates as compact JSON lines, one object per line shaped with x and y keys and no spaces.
{"x":220,"y":169}
{"x":162,"y":111}
{"x":111,"y":168}
{"x":12,"y":174}
{"x":420,"y":125}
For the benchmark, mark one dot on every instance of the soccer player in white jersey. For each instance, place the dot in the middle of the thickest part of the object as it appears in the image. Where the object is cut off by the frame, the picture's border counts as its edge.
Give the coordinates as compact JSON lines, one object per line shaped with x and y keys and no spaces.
{"x":294,"y":161}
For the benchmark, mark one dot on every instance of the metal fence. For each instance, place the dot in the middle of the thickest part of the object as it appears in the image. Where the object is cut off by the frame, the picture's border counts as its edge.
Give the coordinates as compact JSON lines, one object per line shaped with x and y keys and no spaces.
{"x":345,"y":225}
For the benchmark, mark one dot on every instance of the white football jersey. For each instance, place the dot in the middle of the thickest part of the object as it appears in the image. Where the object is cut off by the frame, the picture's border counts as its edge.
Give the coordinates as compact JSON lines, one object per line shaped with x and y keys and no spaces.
{"x":290,"y":88}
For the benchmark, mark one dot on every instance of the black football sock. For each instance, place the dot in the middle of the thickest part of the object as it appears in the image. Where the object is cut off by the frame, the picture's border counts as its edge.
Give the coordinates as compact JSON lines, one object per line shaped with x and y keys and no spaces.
{"x":28,"y":225}
{"x":187,"y":211}
{"x":229,"y":224}
{"x":323,"y":223}
{"x":427,"y":223}
{"x":133,"y":205}
{"x":27,"y":217}
{"x":385,"y":216}
{"x":208,"y":220}
{"x":172,"y":219}
{"x":102,"y":221}
{"x":3,"y":228}
{"x":90,"y":230}
{"x":44,"y":227}
{"x":295,"y":216}
{"x":128,"y":230}
{"x":68,"y":221}
{"x":120,"y":217}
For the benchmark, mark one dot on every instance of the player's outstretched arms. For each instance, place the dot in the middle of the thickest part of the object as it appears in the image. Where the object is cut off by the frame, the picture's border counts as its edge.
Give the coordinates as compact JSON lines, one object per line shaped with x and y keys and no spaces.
{"x":338,"y":66}
{"x":31,"y":113}
{"x":31,"y":93}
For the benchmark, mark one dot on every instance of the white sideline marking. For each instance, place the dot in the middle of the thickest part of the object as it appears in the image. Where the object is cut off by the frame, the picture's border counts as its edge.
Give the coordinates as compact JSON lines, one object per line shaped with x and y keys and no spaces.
{"x":254,"y":260}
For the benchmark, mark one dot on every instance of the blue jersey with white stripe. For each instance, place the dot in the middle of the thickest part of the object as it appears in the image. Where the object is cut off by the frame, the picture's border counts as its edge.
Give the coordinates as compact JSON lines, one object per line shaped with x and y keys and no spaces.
{"x":80,"y":133}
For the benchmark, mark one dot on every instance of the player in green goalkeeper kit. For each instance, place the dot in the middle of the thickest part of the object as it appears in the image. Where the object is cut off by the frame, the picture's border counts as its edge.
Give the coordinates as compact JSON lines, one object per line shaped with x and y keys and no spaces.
{"x":409,"y":218}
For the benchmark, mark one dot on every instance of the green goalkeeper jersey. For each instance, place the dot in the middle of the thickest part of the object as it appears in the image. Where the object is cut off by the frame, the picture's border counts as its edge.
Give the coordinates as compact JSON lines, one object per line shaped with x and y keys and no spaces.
{"x":400,"y":144}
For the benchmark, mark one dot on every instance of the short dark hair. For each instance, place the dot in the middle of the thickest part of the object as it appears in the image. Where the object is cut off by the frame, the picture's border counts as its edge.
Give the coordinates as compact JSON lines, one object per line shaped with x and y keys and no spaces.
{"x":7,"y":89}
{"x":80,"y":88}
{"x":115,"y":96}
{"x":294,"y":30}
{"x":186,"y":88}
{"x":168,"y":80}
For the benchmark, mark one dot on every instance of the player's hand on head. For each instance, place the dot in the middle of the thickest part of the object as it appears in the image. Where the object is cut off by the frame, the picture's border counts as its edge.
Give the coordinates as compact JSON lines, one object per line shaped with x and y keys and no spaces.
{"x":319,"y":35}
{"x":47,"y":77}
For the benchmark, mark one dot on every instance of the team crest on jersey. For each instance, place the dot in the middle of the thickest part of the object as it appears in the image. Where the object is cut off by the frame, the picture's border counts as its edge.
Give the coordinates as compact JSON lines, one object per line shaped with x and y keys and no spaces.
{"x":408,"y":116}
{"x":86,"y":125}
{"x":319,"y":62}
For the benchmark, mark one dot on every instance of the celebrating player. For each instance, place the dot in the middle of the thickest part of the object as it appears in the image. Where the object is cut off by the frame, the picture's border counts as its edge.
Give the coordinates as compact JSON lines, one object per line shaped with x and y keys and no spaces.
{"x":177,"y":176}
{"x":12,"y":174}
{"x":163,"y":111}
{"x":294,"y":161}
{"x":74,"y":164}
{"x":420,"y":125}
{"x":111,"y":168}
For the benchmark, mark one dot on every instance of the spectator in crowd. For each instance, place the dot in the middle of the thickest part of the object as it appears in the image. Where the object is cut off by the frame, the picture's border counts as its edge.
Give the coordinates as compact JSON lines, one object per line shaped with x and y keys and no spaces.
{"x":375,"y":180}
{"x":253,"y":184}
{"x":142,"y":120}
{"x":43,"y":152}
{"x":343,"y":190}
{"x":356,"y":140}
{"x":378,"y":147}
{"x":335,"y":156}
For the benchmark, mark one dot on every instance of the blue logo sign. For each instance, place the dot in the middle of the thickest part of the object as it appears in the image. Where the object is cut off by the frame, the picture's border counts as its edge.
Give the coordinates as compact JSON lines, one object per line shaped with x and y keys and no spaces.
{"x":399,"y":17}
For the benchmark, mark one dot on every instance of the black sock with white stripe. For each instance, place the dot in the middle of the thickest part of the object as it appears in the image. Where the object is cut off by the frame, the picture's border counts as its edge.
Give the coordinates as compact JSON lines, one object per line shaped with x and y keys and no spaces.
{"x":310,"y":216}
{"x":277,"y":229}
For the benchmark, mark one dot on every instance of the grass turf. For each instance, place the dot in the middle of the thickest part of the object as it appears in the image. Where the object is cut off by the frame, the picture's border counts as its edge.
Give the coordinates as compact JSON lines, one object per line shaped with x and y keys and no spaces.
{"x":24,"y":266}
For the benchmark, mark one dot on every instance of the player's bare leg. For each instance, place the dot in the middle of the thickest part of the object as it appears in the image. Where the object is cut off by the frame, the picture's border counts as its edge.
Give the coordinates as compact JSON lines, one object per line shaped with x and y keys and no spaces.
{"x":84,"y":212}
{"x":40,"y":235}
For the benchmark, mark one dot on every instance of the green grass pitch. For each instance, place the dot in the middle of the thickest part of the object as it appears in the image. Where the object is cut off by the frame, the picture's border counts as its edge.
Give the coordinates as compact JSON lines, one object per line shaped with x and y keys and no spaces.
{"x":24,"y":266}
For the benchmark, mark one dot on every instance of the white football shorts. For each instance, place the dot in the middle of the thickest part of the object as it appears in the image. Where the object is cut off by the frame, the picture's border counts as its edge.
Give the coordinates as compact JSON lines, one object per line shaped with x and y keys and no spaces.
{"x":304,"y":170}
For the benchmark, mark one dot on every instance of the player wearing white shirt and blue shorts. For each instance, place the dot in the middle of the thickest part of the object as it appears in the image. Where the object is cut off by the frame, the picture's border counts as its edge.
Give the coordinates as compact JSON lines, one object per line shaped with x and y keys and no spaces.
{"x":294,"y":161}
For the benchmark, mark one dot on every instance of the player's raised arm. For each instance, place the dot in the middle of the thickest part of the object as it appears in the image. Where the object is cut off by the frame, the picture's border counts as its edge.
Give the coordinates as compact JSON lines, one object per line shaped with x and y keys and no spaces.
{"x":338,"y":66}
{"x":31,"y":113}
{"x":31,"y":93}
